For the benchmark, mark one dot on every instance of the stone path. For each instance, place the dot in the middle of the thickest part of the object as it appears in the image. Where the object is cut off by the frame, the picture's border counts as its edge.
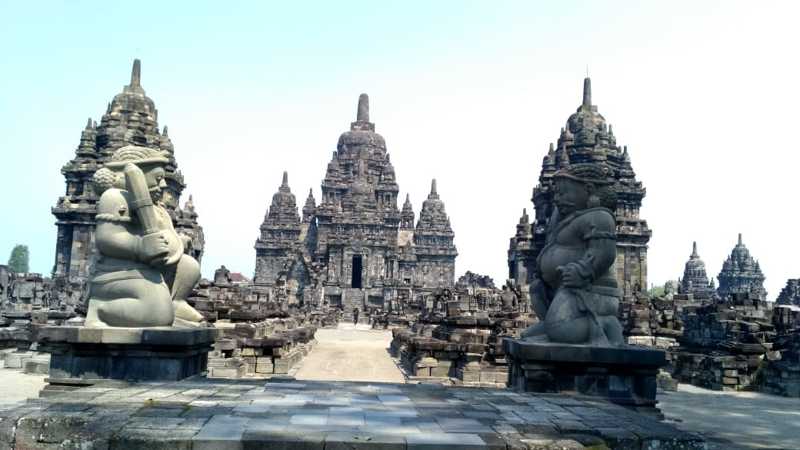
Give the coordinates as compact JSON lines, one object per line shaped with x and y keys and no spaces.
{"x":16,"y":386}
{"x":350,"y":353}
{"x":238,"y":414}
{"x":735,"y":419}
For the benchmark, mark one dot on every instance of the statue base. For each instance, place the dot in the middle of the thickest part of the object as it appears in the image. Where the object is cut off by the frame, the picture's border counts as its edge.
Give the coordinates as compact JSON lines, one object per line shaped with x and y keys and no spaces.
{"x":622,"y":375}
{"x":82,"y":356}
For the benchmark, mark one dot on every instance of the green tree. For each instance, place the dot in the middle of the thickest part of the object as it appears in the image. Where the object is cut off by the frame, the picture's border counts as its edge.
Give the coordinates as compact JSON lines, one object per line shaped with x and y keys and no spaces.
{"x":18,"y":261}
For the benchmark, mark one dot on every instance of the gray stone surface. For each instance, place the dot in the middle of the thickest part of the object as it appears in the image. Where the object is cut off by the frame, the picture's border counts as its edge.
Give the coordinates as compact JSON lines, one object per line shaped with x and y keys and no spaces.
{"x":309,"y":414}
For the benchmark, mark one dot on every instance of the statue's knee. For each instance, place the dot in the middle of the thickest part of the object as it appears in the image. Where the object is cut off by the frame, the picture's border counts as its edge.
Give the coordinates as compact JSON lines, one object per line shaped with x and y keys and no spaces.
{"x":189,"y":267}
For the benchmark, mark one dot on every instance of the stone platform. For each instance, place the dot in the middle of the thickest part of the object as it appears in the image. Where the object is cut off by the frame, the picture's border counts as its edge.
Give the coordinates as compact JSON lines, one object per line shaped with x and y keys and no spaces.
{"x":199,"y":413}
{"x":84,"y":356}
{"x":623,"y":375}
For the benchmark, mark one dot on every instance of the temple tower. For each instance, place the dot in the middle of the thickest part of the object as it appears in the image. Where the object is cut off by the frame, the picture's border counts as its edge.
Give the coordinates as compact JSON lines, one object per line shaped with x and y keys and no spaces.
{"x":741,"y":275}
{"x":130,"y":119}
{"x":407,"y":215}
{"x":433,"y":242}
{"x":586,"y":137}
{"x":310,"y":208}
{"x":520,"y":251}
{"x":358,"y":218}
{"x":280,"y":237}
{"x":695,"y":280}
{"x":186,"y":224}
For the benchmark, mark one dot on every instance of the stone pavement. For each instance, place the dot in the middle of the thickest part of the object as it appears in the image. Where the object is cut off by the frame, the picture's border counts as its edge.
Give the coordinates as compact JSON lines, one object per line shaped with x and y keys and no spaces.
{"x":237,"y":414}
{"x":351,"y":353}
{"x":16,"y":386}
{"x":734,"y":419}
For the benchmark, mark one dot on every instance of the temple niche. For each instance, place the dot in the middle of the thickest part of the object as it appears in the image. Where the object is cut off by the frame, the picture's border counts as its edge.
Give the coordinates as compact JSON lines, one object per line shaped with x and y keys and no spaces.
{"x":741,"y":275}
{"x":130,"y":119}
{"x":695,"y":281}
{"x":586,"y":137}
{"x":356,"y":249}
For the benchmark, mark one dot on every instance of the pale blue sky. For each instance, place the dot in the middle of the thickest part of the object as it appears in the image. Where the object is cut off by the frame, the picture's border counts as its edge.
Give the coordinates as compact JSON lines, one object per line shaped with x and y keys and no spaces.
{"x":703,"y":93}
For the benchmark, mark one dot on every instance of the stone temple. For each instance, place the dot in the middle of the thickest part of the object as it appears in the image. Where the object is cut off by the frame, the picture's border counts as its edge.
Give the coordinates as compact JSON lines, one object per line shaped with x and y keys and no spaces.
{"x":694,"y":280}
{"x":356,"y":249}
{"x":741,"y":275}
{"x":587,"y":137}
{"x":130,"y":119}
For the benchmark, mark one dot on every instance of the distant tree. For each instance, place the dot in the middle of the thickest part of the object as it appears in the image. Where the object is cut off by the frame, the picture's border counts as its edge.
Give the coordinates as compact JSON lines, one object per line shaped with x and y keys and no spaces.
{"x":18,"y":261}
{"x":656,"y":291}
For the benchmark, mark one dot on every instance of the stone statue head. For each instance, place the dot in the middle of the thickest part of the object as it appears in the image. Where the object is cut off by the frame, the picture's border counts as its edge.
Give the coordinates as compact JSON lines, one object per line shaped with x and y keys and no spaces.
{"x":583,"y":185}
{"x":151,"y":161}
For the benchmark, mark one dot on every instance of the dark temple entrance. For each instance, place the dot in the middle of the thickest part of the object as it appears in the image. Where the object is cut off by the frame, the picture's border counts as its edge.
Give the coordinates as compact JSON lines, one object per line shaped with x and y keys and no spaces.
{"x":357,"y":267}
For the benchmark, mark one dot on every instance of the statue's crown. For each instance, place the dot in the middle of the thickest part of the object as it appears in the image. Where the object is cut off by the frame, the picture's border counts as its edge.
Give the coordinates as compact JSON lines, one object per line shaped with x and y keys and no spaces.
{"x":595,"y":173}
{"x":136,"y":155}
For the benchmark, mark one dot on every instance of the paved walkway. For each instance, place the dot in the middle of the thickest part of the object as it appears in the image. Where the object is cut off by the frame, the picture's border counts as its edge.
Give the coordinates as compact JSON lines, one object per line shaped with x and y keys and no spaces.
{"x":16,"y":386}
{"x":351,"y":353}
{"x":235,"y":414}
{"x":735,"y":419}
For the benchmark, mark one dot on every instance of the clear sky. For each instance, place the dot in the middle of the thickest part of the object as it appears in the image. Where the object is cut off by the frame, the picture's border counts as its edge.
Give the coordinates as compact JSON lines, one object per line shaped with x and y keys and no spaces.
{"x":704,"y":93}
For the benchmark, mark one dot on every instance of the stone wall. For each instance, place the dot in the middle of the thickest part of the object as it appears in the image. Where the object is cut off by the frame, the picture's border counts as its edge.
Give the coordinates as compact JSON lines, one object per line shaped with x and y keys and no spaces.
{"x":260,"y":349}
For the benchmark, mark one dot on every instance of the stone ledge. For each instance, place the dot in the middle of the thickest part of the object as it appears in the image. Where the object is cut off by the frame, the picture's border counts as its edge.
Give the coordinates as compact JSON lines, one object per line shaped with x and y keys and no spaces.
{"x":200,"y":413}
{"x":626,"y":356}
{"x":156,"y":336}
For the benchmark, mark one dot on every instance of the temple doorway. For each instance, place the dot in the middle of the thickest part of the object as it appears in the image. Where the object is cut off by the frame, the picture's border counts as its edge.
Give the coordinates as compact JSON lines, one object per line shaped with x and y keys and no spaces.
{"x":357,"y":269}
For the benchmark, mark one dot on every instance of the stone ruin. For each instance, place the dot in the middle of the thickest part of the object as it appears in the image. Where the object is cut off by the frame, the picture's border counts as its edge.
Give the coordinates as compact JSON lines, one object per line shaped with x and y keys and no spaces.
{"x":27,"y":302}
{"x":729,"y":338}
{"x":131,"y":118}
{"x":260,"y":349}
{"x":780,"y":373}
{"x":456,"y":336}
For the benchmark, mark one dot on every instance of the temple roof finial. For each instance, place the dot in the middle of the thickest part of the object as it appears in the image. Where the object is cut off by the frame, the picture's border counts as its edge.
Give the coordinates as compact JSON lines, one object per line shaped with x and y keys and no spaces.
{"x":408,"y":199}
{"x":165,"y":133}
{"x":433,"y":186}
{"x":363,"y":108}
{"x":89,"y":123}
{"x":587,"y":92}
{"x":740,"y":239}
{"x":694,"y":249}
{"x":136,"y":73}
{"x":285,"y":181}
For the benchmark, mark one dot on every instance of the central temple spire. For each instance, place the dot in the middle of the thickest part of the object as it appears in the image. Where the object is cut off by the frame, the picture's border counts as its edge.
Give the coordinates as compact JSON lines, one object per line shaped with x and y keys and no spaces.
{"x":587,"y":92}
{"x":362,"y":122}
{"x":136,"y":73}
{"x":363,"y":108}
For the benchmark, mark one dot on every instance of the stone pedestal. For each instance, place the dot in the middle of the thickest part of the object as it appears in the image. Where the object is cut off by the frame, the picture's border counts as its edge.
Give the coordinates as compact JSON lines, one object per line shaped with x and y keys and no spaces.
{"x":85,"y":356}
{"x":622,"y":375}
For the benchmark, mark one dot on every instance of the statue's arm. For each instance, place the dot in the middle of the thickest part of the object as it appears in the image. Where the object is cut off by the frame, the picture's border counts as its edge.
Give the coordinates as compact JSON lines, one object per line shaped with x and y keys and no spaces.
{"x":112,"y":236}
{"x":115,"y":241}
{"x":599,"y":234}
